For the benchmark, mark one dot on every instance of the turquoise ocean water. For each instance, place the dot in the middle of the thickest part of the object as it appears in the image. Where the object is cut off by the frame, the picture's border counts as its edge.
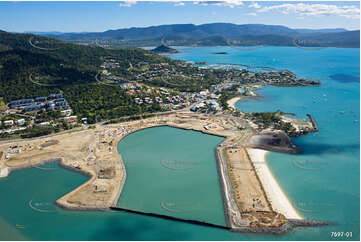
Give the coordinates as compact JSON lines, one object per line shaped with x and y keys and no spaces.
{"x":323,"y":182}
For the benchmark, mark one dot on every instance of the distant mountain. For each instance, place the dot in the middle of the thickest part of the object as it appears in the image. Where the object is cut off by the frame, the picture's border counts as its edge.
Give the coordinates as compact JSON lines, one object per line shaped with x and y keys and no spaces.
{"x":341,"y":39}
{"x":307,"y":31}
{"x":44,"y":33}
{"x":162,"y":49}
{"x":218,"y":34}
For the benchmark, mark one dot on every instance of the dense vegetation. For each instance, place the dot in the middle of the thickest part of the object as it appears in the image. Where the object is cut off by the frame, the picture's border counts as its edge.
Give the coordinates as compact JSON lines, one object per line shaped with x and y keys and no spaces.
{"x":272,"y":119}
{"x":266,"y":118}
{"x":164,"y":49}
{"x":225,"y":96}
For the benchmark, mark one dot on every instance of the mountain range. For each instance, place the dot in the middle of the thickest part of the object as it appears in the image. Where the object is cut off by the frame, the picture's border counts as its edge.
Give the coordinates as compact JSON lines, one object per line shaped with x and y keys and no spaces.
{"x":217,"y":34}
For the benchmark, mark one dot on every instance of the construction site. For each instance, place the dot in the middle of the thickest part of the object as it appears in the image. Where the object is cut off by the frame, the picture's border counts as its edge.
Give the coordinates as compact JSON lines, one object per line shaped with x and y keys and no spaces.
{"x":248,"y":201}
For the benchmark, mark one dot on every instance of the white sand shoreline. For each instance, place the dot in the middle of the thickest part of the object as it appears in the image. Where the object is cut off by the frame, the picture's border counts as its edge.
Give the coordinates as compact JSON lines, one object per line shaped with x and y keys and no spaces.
{"x":279,"y":201}
{"x":4,"y":172}
{"x":232,"y":102}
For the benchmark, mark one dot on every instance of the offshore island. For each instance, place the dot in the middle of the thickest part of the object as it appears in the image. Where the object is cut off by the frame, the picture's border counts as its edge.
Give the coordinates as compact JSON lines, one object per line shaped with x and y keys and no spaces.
{"x":163,"y":92}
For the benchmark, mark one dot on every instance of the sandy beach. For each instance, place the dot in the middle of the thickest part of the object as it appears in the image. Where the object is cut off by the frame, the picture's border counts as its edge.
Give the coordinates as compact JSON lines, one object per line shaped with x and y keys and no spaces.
{"x":4,"y":172}
{"x":232,"y":102}
{"x":276,"y":196}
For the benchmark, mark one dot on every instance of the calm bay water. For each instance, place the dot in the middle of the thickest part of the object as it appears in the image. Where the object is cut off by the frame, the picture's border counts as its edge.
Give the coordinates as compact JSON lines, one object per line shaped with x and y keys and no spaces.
{"x":323,"y":182}
{"x":172,"y":172}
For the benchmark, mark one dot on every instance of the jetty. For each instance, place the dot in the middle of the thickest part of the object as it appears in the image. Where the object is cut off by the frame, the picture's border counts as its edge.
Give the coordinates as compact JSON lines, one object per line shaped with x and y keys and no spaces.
{"x":313,"y":121}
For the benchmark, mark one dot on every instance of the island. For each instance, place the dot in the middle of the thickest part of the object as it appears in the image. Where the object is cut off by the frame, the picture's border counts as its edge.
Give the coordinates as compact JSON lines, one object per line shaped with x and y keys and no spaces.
{"x":220,"y":53}
{"x":163,"y":49}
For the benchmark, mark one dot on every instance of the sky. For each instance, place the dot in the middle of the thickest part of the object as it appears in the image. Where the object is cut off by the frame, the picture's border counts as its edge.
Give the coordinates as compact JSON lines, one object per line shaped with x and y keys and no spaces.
{"x":22,"y":16}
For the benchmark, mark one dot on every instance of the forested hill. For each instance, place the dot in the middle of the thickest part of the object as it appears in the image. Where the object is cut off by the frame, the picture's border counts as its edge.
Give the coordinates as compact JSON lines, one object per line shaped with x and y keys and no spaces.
{"x":81,"y":55}
{"x":218,"y":34}
{"x":69,"y":69}
{"x":23,"y":54}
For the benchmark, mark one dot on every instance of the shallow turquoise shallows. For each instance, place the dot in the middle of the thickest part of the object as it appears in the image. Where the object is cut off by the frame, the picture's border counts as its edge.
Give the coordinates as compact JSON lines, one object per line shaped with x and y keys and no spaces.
{"x":323,"y":182}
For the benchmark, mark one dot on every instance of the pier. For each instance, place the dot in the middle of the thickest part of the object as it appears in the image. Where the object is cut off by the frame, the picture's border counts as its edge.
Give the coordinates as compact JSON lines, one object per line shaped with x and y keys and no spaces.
{"x":313,"y":121}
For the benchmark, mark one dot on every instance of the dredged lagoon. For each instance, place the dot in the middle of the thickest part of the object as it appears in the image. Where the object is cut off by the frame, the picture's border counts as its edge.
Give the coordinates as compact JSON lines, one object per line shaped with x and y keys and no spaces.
{"x":173,"y":172}
{"x":330,"y":193}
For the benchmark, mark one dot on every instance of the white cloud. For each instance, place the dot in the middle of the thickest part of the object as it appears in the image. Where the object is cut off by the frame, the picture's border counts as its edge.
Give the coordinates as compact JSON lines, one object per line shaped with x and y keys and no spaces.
{"x":306,"y":9}
{"x":127,"y":3}
{"x":254,"y":5}
{"x":228,"y":3}
{"x":252,"y":14}
{"x":178,"y":4}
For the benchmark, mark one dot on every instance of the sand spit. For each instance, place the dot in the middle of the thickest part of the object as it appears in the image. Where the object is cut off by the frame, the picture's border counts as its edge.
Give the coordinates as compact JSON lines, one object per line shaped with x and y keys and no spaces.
{"x":276,"y":196}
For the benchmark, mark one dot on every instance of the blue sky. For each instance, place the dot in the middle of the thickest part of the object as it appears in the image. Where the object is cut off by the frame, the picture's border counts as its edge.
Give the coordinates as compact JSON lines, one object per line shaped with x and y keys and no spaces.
{"x":101,"y":16}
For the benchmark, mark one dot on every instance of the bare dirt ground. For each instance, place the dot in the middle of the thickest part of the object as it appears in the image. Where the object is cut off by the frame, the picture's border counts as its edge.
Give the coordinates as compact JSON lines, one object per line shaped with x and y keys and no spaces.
{"x":248,"y":191}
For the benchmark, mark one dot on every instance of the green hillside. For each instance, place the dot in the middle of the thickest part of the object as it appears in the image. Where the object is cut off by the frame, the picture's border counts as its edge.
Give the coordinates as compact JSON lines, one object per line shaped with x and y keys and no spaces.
{"x":69,"y":69}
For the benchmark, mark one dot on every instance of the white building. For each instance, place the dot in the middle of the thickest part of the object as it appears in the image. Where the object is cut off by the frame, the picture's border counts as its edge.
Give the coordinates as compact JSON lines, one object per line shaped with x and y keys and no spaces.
{"x":84,"y":120}
{"x":67,"y":112}
{"x":20,"y":122}
{"x":9,"y":122}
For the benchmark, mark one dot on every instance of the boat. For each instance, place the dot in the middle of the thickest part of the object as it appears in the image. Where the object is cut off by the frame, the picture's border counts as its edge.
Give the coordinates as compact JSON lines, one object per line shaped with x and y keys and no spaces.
{"x":20,"y":226}
{"x":342,"y":112}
